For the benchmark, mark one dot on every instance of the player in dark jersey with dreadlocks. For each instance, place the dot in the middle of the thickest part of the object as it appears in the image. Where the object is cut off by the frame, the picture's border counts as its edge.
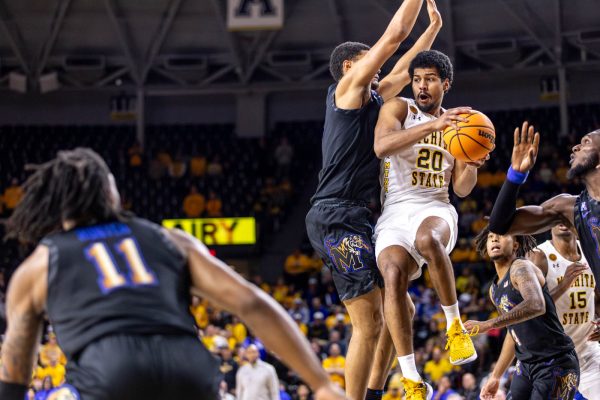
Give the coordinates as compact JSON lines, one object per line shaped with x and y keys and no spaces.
{"x":547,"y":365}
{"x":117,"y":292}
{"x":581,"y":213}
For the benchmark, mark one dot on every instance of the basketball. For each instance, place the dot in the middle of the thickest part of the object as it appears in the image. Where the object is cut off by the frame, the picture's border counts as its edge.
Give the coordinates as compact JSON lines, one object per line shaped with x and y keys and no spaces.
{"x":474,"y":138}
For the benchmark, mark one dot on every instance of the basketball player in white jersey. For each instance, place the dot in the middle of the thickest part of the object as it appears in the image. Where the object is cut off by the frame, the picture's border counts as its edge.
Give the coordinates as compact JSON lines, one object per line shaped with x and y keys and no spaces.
{"x":418,"y":224}
{"x":571,"y":284}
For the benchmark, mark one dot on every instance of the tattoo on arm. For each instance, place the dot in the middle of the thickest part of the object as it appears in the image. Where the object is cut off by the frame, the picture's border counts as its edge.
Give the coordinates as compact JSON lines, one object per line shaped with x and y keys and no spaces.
{"x":20,"y":348}
{"x":526,"y":282}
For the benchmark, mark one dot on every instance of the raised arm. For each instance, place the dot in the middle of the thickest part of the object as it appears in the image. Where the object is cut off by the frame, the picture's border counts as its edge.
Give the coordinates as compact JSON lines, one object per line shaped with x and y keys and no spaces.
{"x":395,"y":81}
{"x":220,"y":285}
{"x":390,"y":138}
{"x":350,"y":92}
{"x":26,"y":302}
{"x":505,"y":218}
{"x":507,"y":355}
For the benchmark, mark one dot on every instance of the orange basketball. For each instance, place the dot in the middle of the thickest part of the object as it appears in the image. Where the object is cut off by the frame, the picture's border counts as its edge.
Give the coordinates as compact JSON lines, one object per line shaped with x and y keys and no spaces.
{"x":474,"y":138}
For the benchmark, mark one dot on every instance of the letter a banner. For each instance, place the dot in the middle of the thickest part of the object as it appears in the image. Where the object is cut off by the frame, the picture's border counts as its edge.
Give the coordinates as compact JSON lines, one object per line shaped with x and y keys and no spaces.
{"x":254,"y":14}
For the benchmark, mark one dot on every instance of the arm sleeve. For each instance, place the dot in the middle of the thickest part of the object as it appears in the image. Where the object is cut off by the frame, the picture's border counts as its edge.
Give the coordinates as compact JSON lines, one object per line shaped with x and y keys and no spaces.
{"x":504,"y":209}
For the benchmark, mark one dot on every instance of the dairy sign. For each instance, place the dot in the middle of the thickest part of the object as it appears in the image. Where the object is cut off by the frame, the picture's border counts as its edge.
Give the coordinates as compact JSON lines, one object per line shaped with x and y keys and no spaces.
{"x":218,"y":231}
{"x":254,"y":14}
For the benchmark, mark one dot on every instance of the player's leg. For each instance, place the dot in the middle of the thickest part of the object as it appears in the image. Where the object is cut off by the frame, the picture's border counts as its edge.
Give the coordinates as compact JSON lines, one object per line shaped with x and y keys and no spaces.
{"x":384,"y":359}
{"x":521,"y":386}
{"x":366,"y":317}
{"x":397,"y":266}
{"x":432,"y":242}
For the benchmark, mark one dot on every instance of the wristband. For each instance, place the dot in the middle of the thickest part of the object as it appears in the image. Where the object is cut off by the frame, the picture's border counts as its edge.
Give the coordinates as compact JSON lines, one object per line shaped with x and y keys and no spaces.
{"x":516,"y":177}
{"x":12,"y":391}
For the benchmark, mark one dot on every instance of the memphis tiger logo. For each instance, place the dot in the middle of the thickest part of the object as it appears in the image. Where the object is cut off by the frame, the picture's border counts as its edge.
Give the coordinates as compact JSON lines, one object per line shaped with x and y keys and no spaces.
{"x":505,"y":305}
{"x":347,"y":253}
{"x":565,"y":384}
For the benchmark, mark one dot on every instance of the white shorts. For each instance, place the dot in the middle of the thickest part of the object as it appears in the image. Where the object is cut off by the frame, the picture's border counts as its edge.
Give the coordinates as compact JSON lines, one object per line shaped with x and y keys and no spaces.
{"x":589,"y":375}
{"x":398,"y":225}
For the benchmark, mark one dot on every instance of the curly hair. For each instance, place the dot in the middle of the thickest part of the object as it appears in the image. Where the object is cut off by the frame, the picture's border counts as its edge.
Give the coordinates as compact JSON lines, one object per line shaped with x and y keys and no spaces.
{"x":344,"y":52}
{"x":74,"y":186}
{"x":526,"y":243}
{"x":433,"y":59}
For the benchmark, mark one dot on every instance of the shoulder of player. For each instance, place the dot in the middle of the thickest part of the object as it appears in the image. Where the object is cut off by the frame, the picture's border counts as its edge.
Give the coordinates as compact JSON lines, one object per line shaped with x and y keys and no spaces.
{"x":30,"y":279}
{"x":397,"y":106}
{"x":539,"y":259}
{"x":184,"y":242}
{"x":521,"y":269}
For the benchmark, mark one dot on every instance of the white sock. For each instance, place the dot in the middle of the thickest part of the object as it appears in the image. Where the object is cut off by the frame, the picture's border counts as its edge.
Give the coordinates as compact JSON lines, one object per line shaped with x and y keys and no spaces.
{"x":451,"y":313}
{"x":409,"y":367}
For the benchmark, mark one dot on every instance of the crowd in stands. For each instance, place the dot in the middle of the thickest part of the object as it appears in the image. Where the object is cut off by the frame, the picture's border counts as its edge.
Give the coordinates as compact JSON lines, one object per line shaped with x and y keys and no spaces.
{"x":207,"y":172}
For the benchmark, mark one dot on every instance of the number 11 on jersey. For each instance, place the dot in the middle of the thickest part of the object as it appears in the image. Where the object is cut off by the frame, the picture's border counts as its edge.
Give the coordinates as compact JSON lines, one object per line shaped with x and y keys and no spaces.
{"x":109,"y":276}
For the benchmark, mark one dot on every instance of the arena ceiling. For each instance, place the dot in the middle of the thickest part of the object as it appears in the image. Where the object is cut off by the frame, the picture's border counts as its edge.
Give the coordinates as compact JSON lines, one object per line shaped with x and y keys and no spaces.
{"x":183,"y":46}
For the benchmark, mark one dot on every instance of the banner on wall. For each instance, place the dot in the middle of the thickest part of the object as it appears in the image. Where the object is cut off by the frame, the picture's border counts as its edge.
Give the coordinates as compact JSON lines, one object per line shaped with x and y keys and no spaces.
{"x":218,"y":231}
{"x":254,"y":14}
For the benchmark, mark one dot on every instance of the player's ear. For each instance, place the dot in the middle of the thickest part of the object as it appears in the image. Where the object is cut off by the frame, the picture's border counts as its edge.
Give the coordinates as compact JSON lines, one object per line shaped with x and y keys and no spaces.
{"x":346,"y":65}
{"x":446,"y":85}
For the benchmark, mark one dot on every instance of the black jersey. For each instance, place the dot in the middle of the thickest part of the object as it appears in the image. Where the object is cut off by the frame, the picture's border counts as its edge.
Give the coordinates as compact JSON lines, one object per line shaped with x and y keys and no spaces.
{"x":587,"y":222}
{"x":116,"y":278}
{"x":350,"y":167}
{"x":537,"y":339}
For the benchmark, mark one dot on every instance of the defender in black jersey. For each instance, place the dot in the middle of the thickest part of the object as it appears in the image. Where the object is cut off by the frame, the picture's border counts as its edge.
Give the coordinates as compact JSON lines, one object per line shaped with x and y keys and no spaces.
{"x":547,"y":365}
{"x":117,"y":292}
{"x":581,"y":213}
{"x":338,"y":224}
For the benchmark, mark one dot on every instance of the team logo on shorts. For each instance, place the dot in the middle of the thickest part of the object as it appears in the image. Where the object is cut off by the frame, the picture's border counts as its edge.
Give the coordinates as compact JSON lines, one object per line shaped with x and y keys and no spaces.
{"x":565,"y":385}
{"x":347,"y":253}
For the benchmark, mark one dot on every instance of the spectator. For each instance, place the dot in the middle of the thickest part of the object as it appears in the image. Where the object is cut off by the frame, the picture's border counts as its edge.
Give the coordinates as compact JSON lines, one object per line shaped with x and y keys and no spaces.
{"x":438,"y":366}
{"x":193,"y":203}
{"x":256,"y":380}
{"x":443,"y":390}
{"x":54,"y":371}
{"x":51,"y":350}
{"x":177,"y":168}
{"x":283,"y":394}
{"x":303,"y":393}
{"x":155,"y":169}
{"x":335,"y":364}
{"x":30,"y":395}
{"x":395,"y":390}
{"x":197,"y":166}
{"x":317,"y":328}
{"x":470,"y":390}
{"x":135,"y":155}
{"x":283,"y":156}
{"x":214,"y":205}
{"x":45,"y":390}
{"x":12,"y":195}
{"x":215,"y":168}
{"x":164,"y":158}
{"x":224,"y":392}
{"x":229,"y":367}
{"x":198,"y":310}
{"x":238,"y":329}
{"x":301,"y":325}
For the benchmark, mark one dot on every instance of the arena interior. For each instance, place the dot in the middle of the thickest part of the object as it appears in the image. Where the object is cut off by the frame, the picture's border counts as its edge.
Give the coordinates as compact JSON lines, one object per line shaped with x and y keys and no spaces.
{"x":214,"y":125}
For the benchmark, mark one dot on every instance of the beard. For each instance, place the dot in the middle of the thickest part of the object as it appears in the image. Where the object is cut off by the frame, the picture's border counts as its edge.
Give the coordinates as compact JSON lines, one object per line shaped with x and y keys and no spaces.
{"x":584,"y":167}
{"x":428,"y":108}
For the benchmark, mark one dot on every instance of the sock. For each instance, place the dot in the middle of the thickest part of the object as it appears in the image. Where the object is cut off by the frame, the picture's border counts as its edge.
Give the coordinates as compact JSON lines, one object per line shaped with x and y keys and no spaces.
{"x":374,"y":394}
{"x":409,"y":367}
{"x":451,"y":313}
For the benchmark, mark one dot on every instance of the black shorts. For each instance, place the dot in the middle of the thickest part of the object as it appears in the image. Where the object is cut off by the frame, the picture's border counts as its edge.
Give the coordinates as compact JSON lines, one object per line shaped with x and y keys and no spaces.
{"x":341,"y":233}
{"x":555,"y":379}
{"x":153,"y":367}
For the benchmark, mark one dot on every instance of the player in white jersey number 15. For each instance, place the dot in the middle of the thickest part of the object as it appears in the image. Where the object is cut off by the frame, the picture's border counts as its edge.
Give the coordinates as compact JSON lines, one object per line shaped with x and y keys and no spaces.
{"x":572,"y":287}
{"x":418,"y":224}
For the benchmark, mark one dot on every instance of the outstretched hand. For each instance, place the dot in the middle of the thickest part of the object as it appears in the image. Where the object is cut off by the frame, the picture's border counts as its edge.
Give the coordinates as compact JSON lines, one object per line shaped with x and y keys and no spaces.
{"x":435,"y":18}
{"x":525,"y":148}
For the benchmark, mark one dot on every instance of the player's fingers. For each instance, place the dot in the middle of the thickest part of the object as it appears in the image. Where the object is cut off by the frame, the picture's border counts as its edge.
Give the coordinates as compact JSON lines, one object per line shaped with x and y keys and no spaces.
{"x":536,"y":141}
{"x":517,"y":136}
{"x":524,"y":132}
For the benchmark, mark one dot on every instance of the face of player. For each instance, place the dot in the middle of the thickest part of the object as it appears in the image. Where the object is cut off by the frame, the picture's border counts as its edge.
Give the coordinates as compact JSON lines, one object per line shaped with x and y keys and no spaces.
{"x":585,"y":156}
{"x":428,"y":89}
{"x":561,"y":231}
{"x":348,"y":64}
{"x":500,"y":246}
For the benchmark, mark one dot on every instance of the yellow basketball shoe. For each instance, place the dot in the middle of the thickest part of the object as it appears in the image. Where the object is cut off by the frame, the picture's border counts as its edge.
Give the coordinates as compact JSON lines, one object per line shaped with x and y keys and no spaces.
{"x":460,"y":344}
{"x":417,"y":390}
